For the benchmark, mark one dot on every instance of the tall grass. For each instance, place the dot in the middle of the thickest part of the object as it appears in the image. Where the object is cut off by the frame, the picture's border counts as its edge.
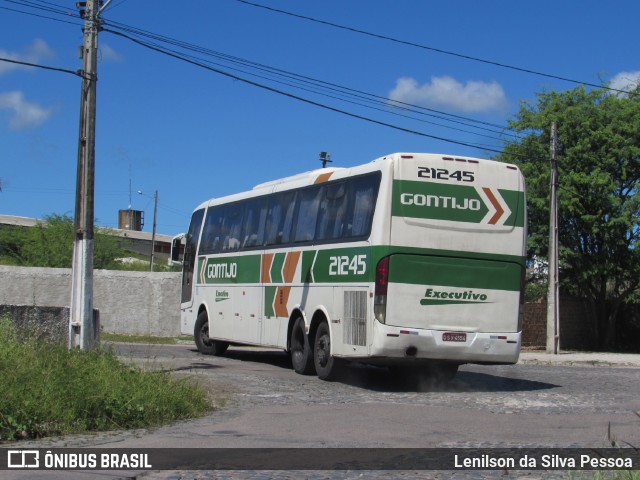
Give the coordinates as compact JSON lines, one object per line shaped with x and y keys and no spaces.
{"x":47,"y":390}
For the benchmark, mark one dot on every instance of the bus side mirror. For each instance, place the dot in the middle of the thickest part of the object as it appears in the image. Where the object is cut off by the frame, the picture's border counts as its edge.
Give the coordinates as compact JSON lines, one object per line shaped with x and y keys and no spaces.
{"x":177,"y":249}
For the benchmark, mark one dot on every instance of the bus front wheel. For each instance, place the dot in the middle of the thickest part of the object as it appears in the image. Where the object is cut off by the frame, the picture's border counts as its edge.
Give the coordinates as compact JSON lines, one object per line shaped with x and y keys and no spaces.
{"x":327,"y":367}
{"x":206,"y":345}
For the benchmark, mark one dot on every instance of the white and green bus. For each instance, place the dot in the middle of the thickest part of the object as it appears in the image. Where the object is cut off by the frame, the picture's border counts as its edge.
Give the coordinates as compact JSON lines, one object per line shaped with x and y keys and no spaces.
{"x":411,"y":260}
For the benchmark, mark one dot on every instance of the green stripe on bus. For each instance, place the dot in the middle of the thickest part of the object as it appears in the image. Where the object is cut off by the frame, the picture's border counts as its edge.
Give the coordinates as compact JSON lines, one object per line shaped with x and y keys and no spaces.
{"x":517,"y":205}
{"x":306,"y":274}
{"x":457,"y":203}
{"x":336,"y":265}
{"x":276,"y":267}
{"x":269,"y":297}
{"x":454,"y":272}
{"x":230,"y":270}
{"x":339,"y":265}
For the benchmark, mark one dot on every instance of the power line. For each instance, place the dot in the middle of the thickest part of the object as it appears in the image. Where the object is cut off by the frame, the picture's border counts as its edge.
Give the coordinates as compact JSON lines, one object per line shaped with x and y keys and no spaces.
{"x":39,"y":16}
{"x":284,"y":73}
{"x":426,"y":47}
{"x":349,"y":92}
{"x":316,"y":86}
{"x":295,"y":97}
{"x":44,"y":6}
{"x":78,"y":73}
{"x":304,"y":80}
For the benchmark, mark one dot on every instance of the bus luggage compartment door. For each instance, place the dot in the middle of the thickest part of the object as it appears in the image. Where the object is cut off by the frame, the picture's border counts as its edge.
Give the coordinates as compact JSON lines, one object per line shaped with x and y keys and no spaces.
{"x":449,"y":293}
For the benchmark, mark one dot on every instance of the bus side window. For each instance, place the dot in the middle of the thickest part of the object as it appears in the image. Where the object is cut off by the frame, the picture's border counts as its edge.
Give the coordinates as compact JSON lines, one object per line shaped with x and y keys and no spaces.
{"x":307,"y":214}
{"x":332,"y":212}
{"x":365,"y":193}
{"x":279,"y":218}
{"x":211,"y":232}
{"x":233,"y":226}
{"x":254,"y":220}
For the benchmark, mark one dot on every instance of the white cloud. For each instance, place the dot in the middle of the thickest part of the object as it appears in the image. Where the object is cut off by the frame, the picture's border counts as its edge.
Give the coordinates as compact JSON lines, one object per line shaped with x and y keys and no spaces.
{"x":625,"y":81}
{"x":37,"y":52}
{"x":109,"y":54}
{"x":25,"y":114}
{"x":447,"y":92}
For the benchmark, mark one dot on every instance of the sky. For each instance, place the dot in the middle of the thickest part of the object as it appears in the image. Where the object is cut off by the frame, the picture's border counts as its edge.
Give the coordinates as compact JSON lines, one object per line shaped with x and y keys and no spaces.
{"x":279,"y":89}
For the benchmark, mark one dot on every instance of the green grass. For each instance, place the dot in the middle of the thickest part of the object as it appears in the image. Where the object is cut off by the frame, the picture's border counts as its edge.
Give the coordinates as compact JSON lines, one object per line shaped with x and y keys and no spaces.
{"x":47,"y":390}
{"x":118,"y":337}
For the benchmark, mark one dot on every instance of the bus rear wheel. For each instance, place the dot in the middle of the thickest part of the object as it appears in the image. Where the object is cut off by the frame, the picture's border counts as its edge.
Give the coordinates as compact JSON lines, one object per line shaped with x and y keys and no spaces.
{"x":301,"y":354}
{"x":206,"y":345}
{"x":327,"y":366}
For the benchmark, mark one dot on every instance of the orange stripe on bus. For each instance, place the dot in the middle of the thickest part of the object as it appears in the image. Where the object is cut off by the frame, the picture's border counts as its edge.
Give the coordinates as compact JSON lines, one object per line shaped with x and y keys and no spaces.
{"x":280,"y":302}
{"x":265,"y":273}
{"x":496,"y":205}
{"x":290,"y":265}
{"x":323,"y":177}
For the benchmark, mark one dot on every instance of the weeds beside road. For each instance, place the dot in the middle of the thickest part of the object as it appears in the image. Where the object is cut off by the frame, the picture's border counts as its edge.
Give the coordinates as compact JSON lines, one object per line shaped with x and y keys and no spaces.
{"x":47,"y":390}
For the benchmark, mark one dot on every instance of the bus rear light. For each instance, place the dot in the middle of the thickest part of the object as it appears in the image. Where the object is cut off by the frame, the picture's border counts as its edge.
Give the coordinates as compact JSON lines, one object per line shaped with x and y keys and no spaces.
{"x":382,"y":284}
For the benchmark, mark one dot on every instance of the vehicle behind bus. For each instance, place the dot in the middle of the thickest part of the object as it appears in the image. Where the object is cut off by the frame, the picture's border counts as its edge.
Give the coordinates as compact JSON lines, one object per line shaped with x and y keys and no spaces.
{"x":413,"y":261}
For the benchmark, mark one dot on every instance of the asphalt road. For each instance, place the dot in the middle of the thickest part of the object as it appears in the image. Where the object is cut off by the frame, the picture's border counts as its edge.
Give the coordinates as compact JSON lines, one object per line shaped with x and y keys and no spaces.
{"x":268,"y":404}
{"x":263,"y":403}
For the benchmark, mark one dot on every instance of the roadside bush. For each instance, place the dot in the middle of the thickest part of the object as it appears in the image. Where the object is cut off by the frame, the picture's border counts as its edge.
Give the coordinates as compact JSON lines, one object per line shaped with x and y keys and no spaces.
{"x":47,"y":390}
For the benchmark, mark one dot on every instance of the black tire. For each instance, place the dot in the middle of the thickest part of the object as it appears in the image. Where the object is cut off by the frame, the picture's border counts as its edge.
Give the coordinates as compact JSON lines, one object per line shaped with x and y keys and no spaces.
{"x":327,"y":367}
{"x":301,"y":353}
{"x":206,"y":345}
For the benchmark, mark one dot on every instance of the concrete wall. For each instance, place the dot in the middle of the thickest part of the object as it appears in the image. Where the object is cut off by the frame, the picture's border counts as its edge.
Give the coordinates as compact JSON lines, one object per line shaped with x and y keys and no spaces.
{"x":136,"y":303}
{"x":145,"y":303}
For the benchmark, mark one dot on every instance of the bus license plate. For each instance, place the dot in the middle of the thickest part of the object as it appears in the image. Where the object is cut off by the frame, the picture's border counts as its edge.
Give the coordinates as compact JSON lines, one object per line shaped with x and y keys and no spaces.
{"x":454,"y":337}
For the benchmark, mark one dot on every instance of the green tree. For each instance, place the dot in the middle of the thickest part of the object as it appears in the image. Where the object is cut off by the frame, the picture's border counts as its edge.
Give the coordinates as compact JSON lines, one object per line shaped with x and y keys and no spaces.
{"x":598,"y":193}
{"x":50,"y":244}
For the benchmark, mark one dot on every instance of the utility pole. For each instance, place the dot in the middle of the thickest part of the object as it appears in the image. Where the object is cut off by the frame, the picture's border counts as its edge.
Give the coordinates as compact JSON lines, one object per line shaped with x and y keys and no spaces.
{"x":553,"y":308}
{"x":81,"y":321}
{"x":153,"y":234}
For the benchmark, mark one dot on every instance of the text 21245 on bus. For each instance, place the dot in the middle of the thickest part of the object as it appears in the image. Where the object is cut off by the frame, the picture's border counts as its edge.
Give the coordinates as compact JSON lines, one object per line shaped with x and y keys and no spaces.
{"x":411,"y":260}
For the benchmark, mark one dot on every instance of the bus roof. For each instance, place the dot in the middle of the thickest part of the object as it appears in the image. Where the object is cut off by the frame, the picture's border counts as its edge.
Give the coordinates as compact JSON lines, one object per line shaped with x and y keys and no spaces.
{"x":310,"y":177}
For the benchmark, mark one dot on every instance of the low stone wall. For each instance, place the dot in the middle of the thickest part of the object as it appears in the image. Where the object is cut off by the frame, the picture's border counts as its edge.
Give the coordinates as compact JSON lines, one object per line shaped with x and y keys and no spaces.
{"x":133,"y":303}
{"x":46,"y":323}
{"x":51,"y":323}
{"x":148,"y":303}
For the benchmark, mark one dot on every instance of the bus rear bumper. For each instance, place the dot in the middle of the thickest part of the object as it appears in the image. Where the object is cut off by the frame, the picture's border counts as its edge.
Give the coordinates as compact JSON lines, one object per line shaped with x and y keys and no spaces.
{"x":410,"y":344}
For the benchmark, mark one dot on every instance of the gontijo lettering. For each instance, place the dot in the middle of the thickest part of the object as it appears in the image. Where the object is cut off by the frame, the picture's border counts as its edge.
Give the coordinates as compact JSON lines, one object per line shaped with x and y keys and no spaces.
{"x":440,"y":201}
{"x":222,"y":270}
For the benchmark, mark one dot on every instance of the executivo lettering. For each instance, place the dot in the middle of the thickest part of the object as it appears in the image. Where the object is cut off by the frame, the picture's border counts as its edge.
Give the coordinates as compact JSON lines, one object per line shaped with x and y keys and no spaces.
{"x":222,"y":295}
{"x":446,"y":297}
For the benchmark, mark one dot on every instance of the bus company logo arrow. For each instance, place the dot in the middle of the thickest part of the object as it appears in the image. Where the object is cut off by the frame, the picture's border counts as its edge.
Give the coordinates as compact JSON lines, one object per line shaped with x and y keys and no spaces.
{"x":499,"y":211}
